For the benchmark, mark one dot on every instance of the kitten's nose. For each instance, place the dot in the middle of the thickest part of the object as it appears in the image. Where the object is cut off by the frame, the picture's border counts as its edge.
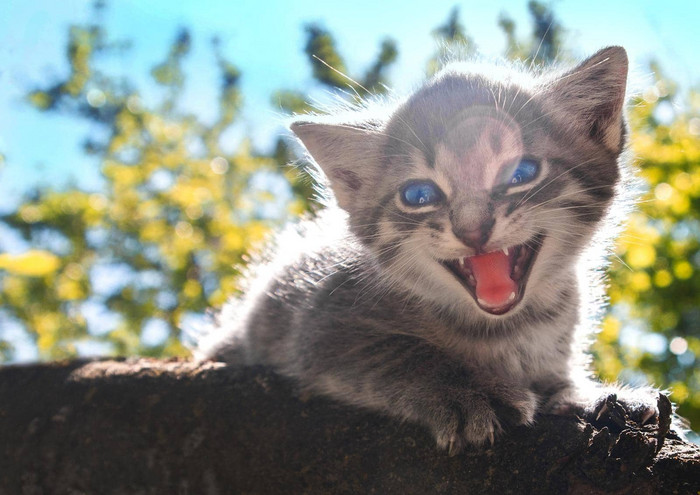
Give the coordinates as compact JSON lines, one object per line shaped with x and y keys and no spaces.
{"x":476,"y":238}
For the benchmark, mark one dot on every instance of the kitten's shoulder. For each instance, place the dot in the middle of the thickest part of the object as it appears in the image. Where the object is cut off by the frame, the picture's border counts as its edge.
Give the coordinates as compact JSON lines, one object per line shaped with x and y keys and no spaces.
{"x":282,"y":275}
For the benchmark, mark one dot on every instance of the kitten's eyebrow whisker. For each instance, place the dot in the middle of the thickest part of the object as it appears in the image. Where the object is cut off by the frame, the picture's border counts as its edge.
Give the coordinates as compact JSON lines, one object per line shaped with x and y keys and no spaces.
{"x":425,"y":148}
{"x":526,"y":103}
{"x":535,"y":94}
{"x":341,"y":74}
{"x":539,"y":47}
{"x":580,"y":71}
{"x":544,"y":115}
{"x":513,"y":100}
{"x":379,"y":133}
{"x":497,"y":99}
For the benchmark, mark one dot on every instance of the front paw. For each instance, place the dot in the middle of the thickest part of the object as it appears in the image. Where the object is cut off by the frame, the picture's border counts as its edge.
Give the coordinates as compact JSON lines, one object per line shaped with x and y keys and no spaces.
{"x":468,"y":420}
{"x":622,"y":407}
{"x":476,"y":418}
{"x":616,"y":407}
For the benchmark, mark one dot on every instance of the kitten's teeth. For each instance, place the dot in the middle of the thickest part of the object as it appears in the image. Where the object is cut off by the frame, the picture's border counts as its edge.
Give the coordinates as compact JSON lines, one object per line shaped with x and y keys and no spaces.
{"x":481,"y":302}
{"x":511,"y":297}
{"x":505,"y":251}
{"x":472,"y":280}
{"x":461,"y":262}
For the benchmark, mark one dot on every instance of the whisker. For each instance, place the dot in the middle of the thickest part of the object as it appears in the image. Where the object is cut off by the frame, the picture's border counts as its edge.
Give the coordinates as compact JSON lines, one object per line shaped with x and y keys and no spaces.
{"x":541,"y":187}
{"x":572,"y":193}
{"x":425,"y":148}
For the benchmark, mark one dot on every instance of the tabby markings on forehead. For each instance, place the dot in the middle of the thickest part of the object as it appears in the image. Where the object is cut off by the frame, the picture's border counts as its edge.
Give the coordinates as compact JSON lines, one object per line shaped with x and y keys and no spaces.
{"x":423,"y":169}
{"x":475,"y":150}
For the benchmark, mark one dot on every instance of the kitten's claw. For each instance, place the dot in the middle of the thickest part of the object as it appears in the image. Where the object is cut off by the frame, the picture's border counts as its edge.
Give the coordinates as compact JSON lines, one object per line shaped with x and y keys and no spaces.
{"x":474,"y":422}
{"x":454,"y":448}
{"x":602,"y":411}
{"x":650,"y":413}
{"x":614,"y":408}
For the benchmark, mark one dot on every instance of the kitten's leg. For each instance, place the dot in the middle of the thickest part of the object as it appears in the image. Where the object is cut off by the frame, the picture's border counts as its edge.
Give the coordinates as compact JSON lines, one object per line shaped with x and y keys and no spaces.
{"x":590,"y":400}
{"x":408,"y":378}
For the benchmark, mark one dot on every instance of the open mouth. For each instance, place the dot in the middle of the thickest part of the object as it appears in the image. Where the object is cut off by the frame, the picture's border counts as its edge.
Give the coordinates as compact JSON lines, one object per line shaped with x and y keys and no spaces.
{"x":497,"y":280}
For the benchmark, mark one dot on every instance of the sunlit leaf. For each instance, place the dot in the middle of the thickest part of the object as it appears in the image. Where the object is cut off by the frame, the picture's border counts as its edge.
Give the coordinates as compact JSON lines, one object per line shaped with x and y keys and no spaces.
{"x":33,"y":263}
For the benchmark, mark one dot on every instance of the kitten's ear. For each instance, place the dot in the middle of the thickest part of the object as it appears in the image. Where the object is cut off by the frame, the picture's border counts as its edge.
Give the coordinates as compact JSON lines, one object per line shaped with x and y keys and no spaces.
{"x":593,"y":95}
{"x":346,"y":154}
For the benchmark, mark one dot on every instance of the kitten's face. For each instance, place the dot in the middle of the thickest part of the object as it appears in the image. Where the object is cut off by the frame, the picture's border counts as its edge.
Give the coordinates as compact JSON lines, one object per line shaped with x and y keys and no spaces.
{"x":479,"y":193}
{"x":473,"y":205}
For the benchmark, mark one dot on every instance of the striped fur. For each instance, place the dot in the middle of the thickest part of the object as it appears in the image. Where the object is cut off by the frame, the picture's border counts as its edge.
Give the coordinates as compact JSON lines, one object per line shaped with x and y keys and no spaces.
{"x":359,"y":303}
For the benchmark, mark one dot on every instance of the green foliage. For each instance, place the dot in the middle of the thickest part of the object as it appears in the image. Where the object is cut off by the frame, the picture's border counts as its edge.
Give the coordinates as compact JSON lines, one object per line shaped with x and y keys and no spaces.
{"x":329,"y":66}
{"x":177,"y":214}
{"x":175,"y":217}
{"x":655,"y":282}
{"x":452,"y":42}
{"x":545,"y":44}
{"x":453,"y":30}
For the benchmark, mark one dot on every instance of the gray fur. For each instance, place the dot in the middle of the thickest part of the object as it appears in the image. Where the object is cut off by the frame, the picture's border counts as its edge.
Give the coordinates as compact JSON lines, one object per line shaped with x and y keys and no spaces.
{"x":356,"y":303}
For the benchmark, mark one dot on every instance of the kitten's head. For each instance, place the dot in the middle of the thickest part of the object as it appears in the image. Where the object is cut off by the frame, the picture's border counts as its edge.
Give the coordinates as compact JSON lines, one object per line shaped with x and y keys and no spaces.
{"x":480,"y":189}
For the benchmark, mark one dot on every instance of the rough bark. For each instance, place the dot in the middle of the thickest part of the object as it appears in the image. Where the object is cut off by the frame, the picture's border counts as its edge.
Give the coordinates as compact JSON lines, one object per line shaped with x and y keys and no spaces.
{"x":173,"y":427}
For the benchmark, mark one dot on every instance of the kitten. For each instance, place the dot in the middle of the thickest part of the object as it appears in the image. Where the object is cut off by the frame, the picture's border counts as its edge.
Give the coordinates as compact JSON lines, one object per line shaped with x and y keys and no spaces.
{"x":453,"y":287}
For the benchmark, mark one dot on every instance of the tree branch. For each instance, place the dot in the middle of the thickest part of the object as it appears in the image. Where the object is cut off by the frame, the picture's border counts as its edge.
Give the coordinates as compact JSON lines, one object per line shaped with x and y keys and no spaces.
{"x":147,"y":426}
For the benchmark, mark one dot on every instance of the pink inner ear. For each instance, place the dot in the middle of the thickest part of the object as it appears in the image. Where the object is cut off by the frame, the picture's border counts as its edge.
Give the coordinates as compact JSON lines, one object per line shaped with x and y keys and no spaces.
{"x":348,"y":177}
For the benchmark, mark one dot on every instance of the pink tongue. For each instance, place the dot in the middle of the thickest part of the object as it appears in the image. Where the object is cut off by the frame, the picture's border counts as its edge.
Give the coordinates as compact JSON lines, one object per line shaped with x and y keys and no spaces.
{"x":493,"y":283}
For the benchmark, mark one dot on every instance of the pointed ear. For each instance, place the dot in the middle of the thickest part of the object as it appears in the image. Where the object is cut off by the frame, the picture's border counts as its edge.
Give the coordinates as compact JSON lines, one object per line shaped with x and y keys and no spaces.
{"x":347,"y":155}
{"x":592,"y":96}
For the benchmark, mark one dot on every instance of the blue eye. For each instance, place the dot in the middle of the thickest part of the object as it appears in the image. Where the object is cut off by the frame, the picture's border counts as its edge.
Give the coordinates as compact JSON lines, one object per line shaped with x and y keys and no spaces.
{"x":421,"y":194}
{"x":525,"y":172}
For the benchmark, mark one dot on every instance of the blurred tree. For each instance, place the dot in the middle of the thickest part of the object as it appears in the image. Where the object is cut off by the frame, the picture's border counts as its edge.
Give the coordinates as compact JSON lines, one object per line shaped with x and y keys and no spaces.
{"x":175,"y":216}
{"x":655,"y":290}
{"x":453,"y":42}
{"x":546,"y":42}
{"x":329,"y":66}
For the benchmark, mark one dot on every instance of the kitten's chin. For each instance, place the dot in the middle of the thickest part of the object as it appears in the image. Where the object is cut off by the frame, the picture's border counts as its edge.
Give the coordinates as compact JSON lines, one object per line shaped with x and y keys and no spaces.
{"x":497,"y":280}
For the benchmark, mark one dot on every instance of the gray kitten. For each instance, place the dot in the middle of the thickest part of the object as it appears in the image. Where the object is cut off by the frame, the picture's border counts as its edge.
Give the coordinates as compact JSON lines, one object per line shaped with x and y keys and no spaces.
{"x":457,"y":283}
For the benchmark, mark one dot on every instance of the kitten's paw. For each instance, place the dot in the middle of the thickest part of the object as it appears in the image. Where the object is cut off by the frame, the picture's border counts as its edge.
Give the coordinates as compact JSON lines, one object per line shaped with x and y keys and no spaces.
{"x":476,"y":418}
{"x":469,"y":421}
{"x":514,"y":405}
{"x":620,"y":406}
{"x":614,"y":407}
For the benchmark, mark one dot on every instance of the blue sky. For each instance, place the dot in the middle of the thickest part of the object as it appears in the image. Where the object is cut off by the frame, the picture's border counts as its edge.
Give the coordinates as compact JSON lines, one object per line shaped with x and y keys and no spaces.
{"x":42,"y":149}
